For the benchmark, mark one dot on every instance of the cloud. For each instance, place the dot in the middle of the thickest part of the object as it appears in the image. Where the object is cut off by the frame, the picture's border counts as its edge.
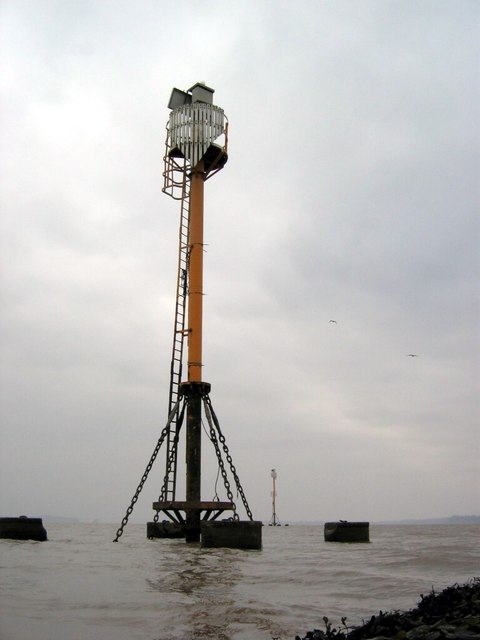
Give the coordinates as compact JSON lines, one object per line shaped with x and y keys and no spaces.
{"x":350,"y":193}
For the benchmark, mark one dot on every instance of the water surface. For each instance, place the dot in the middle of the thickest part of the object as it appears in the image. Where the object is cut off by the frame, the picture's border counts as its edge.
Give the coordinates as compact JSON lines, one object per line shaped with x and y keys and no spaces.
{"x":80,"y":585}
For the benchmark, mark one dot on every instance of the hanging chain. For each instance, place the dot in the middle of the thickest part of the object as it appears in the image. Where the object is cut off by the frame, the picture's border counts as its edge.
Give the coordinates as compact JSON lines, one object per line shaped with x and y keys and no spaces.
{"x":221,"y":465}
{"x":171,"y":459}
{"x":148,"y":468}
{"x":210,"y":412}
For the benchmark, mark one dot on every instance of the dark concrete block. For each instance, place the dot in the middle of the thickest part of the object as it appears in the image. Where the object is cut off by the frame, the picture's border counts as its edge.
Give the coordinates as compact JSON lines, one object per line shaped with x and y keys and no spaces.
{"x":23,"y":528}
{"x":233,"y":534}
{"x":165,"y":530}
{"x":343,"y":531}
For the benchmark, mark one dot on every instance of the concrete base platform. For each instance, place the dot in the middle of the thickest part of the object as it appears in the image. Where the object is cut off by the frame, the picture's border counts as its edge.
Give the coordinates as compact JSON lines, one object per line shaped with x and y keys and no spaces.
{"x":23,"y":528}
{"x":233,"y":534}
{"x":347,"y":531}
{"x":165,"y":530}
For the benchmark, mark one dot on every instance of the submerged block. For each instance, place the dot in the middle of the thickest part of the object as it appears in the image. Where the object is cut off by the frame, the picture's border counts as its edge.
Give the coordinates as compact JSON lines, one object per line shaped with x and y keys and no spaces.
{"x":343,"y":531}
{"x":165,"y":530}
{"x":233,"y":534}
{"x":23,"y":528}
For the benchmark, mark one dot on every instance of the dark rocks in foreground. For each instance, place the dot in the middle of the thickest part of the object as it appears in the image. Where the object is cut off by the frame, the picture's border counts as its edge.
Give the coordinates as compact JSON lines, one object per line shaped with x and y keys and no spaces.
{"x":452,"y":614}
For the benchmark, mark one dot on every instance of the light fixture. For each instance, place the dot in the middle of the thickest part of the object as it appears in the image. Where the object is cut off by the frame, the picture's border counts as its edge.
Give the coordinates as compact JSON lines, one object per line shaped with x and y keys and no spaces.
{"x":178,"y":98}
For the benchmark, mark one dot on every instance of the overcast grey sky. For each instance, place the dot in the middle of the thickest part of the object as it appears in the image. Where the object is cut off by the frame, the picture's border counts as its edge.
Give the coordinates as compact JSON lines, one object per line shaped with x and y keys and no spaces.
{"x":351,"y":193}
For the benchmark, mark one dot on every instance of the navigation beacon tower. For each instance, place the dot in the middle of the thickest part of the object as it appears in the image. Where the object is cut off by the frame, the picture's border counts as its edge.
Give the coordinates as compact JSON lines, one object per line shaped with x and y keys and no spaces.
{"x":196,"y":149}
{"x":274,"y":522}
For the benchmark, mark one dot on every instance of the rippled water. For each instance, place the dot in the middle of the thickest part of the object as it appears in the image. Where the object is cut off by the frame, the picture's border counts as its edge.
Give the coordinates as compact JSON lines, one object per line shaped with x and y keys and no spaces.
{"x":80,"y":586}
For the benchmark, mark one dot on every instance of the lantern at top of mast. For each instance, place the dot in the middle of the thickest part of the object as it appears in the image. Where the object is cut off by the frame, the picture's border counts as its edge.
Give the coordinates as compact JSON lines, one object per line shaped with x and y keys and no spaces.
{"x":196,"y":133}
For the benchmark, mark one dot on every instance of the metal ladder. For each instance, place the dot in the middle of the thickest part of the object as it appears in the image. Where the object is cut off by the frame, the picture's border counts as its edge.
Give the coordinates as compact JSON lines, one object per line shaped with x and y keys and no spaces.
{"x":177,"y":185}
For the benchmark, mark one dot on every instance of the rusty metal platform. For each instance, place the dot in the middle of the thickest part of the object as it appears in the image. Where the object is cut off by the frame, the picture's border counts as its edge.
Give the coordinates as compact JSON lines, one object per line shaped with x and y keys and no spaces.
{"x":173,"y":508}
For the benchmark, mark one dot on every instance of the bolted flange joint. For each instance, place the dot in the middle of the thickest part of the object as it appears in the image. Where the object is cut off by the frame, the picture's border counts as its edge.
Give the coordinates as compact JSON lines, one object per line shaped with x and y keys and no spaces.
{"x":194,"y":389}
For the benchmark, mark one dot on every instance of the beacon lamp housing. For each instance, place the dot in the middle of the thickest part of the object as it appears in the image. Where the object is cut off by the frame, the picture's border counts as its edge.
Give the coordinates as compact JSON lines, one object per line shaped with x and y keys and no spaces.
{"x":178,"y":99}
{"x":198,"y":93}
{"x":201,"y":93}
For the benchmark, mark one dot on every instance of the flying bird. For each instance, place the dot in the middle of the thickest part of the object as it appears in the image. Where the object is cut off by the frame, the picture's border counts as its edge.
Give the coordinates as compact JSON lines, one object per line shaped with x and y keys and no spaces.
{"x":412,"y":355}
{"x":334,"y":321}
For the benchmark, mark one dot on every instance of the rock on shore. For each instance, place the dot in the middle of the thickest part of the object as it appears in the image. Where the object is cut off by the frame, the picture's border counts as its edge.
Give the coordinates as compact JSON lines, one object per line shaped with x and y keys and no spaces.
{"x":453,"y":614}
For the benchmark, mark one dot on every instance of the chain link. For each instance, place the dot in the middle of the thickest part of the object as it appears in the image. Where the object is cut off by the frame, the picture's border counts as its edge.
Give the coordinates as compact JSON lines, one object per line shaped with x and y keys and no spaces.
{"x":221,"y":465}
{"x":148,"y":468}
{"x":211,"y":416}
